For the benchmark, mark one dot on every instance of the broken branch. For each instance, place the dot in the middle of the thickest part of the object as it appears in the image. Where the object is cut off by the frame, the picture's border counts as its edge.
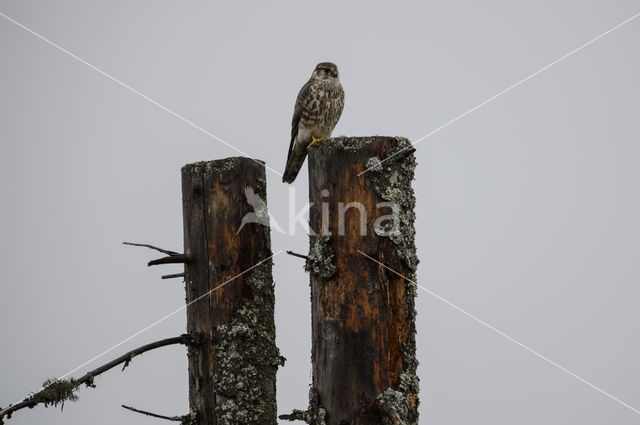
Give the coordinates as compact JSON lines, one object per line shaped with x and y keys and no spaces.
{"x":164,"y":251}
{"x":172,"y":276}
{"x":297,"y":415}
{"x":155,"y":415}
{"x":295,"y":254}
{"x":58,"y":391}
{"x":172,"y":259}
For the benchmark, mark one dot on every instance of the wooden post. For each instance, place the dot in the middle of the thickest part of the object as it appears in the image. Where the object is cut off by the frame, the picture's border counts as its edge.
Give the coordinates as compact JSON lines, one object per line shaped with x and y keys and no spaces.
{"x":230,"y":297}
{"x":363,"y":316}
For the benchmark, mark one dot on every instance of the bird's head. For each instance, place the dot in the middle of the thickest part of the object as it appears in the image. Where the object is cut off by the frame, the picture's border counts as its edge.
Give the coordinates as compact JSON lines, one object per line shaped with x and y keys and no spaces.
{"x":326,"y":71}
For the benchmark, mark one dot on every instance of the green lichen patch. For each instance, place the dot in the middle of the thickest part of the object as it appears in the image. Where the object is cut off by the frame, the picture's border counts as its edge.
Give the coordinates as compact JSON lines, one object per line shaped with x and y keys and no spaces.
{"x":189,"y":419}
{"x":391,"y":178}
{"x":320,"y":259}
{"x":344,"y":143}
{"x":373,"y":164}
{"x":219,"y":166}
{"x":247,"y":358}
{"x":395,"y":406}
{"x":261,"y":281}
{"x":56,"y":392}
{"x":409,"y":381}
{"x":314,"y":415}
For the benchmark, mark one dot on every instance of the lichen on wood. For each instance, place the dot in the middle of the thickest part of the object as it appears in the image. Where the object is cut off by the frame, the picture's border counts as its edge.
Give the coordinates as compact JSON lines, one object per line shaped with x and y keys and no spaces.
{"x":56,"y":392}
{"x":190,"y":418}
{"x":247,"y":356}
{"x":320,"y":259}
{"x":391,"y":177}
{"x":232,"y":373}
{"x":314,"y":415}
{"x":363,"y":316}
{"x":220,"y":167}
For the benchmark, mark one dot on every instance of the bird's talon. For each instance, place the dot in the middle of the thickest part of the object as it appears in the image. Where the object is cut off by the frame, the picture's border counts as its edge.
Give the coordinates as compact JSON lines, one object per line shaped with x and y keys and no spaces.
{"x":314,"y":140}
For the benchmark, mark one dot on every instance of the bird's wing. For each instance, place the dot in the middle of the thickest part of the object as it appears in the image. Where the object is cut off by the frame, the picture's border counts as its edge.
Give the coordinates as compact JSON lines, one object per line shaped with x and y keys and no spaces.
{"x":297,"y":113}
{"x":341,"y":102}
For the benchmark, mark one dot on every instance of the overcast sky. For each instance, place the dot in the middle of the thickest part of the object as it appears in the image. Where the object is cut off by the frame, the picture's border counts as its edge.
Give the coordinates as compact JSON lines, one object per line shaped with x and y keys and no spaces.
{"x":528,"y":208}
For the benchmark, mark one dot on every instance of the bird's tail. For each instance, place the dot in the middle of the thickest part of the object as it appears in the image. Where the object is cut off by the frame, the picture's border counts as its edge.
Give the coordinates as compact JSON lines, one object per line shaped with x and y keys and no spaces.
{"x":294,"y":163}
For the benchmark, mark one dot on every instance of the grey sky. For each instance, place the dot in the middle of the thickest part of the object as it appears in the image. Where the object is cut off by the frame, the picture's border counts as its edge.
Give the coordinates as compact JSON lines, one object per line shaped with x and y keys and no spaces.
{"x":527,"y":210}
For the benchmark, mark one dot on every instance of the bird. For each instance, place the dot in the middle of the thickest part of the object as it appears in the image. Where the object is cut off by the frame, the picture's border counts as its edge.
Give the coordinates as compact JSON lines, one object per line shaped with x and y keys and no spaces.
{"x":318,"y":108}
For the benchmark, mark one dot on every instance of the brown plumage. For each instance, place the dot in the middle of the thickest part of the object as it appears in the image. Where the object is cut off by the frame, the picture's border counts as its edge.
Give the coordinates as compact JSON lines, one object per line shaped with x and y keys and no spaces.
{"x":318,"y":109}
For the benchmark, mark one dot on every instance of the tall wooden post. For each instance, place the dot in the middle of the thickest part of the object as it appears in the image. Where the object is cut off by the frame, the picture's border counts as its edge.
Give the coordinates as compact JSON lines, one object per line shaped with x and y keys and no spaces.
{"x":363,"y":316}
{"x":230,"y":297}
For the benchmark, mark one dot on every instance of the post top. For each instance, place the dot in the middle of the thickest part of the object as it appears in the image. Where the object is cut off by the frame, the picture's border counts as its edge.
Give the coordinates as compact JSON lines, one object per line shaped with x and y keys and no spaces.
{"x":344,"y":143}
{"x":224,"y":165}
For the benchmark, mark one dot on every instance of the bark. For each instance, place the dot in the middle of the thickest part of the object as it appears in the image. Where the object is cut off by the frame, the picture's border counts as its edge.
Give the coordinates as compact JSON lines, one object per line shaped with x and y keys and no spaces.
{"x":230,"y":293}
{"x":363,"y":316}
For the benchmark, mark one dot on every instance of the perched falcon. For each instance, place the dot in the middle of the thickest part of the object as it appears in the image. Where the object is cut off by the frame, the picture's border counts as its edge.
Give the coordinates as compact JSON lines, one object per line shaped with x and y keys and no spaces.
{"x":318,"y":109}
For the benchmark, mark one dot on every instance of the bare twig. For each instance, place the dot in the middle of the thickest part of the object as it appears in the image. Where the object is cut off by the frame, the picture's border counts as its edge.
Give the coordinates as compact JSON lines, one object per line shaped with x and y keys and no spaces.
{"x":297,"y":415}
{"x":144,"y":412}
{"x":182,"y":339}
{"x":295,"y":254}
{"x":172,"y":259}
{"x":172,"y":276}
{"x":164,"y":251}
{"x":57,"y":391}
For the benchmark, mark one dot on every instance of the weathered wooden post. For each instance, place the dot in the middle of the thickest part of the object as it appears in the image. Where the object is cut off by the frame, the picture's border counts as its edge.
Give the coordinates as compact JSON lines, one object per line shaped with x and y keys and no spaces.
{"x":229,"y":284}
{"x":363,"y":316}
{"x":232,"y":354}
